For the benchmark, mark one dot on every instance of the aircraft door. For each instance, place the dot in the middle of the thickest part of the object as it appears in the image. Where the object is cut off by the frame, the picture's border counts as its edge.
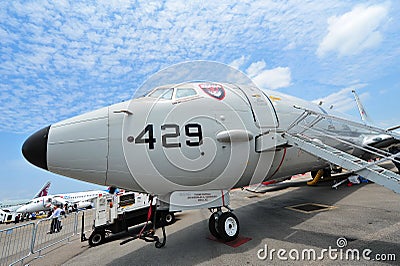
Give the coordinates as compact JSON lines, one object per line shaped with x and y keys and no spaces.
{"x":264,"y":113}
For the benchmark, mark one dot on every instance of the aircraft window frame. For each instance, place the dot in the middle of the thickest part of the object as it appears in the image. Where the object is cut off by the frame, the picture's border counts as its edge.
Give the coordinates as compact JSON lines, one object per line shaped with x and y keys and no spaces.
{"x":176,"y":97}
{"x":163,"y":96}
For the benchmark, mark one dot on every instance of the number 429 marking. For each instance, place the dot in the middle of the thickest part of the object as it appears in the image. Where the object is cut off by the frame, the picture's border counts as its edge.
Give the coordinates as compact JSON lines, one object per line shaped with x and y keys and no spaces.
{"x":193,"y":131}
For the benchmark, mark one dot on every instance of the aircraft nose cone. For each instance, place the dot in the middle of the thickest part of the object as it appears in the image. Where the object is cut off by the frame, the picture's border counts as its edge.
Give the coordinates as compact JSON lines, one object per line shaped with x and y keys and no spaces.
{"x":34,"y":148}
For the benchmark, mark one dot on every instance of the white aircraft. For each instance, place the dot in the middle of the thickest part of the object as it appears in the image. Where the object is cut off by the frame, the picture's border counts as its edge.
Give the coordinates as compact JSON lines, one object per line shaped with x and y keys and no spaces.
{"x":363,"y":114}
{"x":35,"y":205}
{"x":190,"y":143}
{"x":12,"y":205}
{"x":77,"y":200}
{"x":382,"y":140}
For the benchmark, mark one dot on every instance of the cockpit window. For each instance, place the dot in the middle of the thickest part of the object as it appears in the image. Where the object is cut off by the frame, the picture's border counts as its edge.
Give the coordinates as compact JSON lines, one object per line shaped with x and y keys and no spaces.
{"x":162,"y":93}
{"x":184,"y":92}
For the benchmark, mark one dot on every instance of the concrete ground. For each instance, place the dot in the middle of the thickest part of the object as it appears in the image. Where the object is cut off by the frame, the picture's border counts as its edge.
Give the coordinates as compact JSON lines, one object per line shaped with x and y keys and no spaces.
{"x":364,"y":217}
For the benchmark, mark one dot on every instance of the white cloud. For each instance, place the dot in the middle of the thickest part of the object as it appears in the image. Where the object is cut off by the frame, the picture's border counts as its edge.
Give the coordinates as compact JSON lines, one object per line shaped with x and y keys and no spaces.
{"x":276,"y":78}
{"x":256,"y":68}
{"x":238,"y":63}
{"x":343,"y":100}
{"x":107,"y":49}
{"x":354,"y":31}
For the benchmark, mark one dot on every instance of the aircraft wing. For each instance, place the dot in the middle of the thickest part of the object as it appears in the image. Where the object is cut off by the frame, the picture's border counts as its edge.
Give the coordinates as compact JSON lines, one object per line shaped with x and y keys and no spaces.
{"x":393,"y":128}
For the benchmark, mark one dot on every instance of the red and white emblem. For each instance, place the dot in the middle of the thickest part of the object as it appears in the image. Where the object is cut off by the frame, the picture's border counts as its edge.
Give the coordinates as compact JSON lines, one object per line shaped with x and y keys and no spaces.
{"x":214,"y":90}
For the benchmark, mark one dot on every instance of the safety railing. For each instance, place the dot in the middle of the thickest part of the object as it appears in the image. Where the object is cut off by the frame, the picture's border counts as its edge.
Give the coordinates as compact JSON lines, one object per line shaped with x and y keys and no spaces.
{"x":16,"y":243}
{"x":88,"y":221}
{"x":44,"y":237}
{"x":20,"y":242}
{"x":346,"y":135}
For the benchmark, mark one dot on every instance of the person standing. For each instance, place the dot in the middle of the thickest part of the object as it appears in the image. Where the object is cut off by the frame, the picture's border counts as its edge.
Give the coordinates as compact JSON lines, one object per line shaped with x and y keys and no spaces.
{"x":55,"y":224}
{"x":16,"y":219}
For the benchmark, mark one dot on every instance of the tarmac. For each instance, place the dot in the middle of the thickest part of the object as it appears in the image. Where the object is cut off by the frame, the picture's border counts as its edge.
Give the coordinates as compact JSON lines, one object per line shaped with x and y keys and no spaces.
{"x":361,"y":219}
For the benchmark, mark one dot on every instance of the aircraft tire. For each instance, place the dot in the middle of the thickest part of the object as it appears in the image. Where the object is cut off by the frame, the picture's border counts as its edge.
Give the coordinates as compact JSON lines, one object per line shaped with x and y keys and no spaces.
{"x":169,"y":218}
{"x":212,"y":226}
{"x":228,"y":226}
{"x":165,"y":218}
{"x":96,"y":238}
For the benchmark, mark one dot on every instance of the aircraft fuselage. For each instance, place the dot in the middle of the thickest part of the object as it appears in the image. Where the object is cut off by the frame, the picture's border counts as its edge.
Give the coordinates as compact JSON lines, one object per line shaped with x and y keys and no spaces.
{"x":193,"y":136}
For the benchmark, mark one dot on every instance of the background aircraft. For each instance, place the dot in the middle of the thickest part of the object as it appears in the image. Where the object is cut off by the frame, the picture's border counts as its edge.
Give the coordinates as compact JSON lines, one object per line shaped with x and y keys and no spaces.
{"x":76,"y":199}
{"x":363,"y":114}
{"x":381,"y":141}
{"x":13,"y":205}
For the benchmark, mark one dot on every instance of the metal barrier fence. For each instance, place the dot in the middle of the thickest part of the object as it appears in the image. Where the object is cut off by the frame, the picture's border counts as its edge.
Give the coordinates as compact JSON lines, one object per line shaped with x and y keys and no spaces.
{"x":43,"y":238}
{"x":88,"y":221}
{"x":19,"y":242}
{"x":16,"y":243}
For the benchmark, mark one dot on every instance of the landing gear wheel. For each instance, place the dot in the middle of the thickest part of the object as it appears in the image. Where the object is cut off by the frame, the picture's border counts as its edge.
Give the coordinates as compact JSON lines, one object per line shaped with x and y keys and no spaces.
{"x":165,"y":218}
{"x":169,"y":218}
{"x":212,"y":225}
{"x":228,"y":226}
{"x":96,"y":238}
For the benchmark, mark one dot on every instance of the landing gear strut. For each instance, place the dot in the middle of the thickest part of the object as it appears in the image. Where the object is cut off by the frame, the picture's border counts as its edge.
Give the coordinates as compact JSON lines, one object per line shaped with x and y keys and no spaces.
{"x":224,"y":225}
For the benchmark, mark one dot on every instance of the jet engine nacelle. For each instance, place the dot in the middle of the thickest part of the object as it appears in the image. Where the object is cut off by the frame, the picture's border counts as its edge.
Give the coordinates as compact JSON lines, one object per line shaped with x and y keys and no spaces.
{"x":83,"y":205}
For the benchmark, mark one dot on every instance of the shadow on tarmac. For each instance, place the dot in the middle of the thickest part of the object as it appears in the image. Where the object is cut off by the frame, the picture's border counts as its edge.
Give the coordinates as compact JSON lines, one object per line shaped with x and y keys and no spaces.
{"x":268,"y":220}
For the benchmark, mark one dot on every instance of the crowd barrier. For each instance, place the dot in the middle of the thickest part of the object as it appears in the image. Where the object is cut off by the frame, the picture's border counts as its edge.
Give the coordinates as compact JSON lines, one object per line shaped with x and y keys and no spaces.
{"x":16,"y":243}
{"x":88,"y":221}
{"x":20,"y":242}
{"x":44,"y":239}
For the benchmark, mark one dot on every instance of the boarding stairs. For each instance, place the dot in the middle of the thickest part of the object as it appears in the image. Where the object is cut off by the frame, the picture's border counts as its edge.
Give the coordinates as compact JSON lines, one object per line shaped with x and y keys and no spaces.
{"x":309,"y":134}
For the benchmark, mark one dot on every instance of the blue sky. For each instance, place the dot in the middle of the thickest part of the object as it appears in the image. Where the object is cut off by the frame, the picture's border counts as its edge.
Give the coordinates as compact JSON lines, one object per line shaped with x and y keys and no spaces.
{"x":62,"y":58}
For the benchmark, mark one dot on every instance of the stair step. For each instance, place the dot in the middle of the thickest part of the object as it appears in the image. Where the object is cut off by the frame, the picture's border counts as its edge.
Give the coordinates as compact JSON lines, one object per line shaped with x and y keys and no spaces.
{"x":374,"y":173}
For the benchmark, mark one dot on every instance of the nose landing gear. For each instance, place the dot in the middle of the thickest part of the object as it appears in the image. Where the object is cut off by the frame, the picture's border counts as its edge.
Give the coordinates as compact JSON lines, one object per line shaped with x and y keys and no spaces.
{"x":224,"y":225}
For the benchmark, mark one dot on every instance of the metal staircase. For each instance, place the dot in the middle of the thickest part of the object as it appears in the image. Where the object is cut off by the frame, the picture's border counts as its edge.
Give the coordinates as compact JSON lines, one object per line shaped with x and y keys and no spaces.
{"x":309,"y":133}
